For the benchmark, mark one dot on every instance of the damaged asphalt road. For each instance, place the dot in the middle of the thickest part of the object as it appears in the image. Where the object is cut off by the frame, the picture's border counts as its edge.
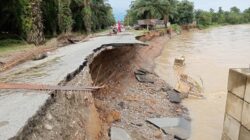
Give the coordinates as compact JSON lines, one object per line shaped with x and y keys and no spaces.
{"x":17,"y":107}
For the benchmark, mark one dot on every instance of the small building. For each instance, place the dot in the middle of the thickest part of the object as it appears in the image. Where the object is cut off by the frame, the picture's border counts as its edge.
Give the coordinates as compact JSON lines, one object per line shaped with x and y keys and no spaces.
{"x":149,"y":23}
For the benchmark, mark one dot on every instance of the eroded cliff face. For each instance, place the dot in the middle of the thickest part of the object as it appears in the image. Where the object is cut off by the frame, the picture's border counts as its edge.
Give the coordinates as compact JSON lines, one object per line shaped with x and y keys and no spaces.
{"x":123,"y":102}
{"x":73,"y":115}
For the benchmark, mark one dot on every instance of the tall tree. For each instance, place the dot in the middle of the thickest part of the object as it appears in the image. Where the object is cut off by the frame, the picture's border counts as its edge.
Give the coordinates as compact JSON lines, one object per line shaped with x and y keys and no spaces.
{"x":31,"y":17}
{"x":185,"y":10}
{"x":64,"y":16}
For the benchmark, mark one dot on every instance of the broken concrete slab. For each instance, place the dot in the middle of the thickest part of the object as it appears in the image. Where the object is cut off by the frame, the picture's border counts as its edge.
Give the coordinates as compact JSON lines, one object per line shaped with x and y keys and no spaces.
{"x":174,"y":96}
{"x":144,"y":79}
{"x":139,"y":73}
{"x":142,"y":71}
{"x":119,"y":134}
{"x":179,"y":127}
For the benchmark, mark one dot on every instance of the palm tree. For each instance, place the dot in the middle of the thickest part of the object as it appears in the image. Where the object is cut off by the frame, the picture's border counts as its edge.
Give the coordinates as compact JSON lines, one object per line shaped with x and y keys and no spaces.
{"x":147,"y":9}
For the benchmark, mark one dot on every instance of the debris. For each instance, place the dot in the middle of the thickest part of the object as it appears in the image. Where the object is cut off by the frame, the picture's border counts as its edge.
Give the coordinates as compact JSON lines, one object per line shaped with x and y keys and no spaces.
{"x":71,"y":41}
{"x":166,"y":88}
{"x":1,"y":63}
{"x":158,"y":134}
{"x":174,"y":96}
{"x":48,"y":127}
{"x":114,"y":116}
{"x":189,"y":86}
{"x":119,"y":134}
{"x":179,"y":61}
{"x":122,"y":105}
{"x":49,"y":116}
{"x":179,"y":127}
{"x":142,"y":71}
{"x":40,"y":56}
{"x":183,"y":86}
{"x":143,"y":79}
{"x":137,"y":124}
{"x":138,"y":136}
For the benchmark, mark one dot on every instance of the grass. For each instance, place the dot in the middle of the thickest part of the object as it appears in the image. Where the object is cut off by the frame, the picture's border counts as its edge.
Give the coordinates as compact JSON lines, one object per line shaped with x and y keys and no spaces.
{"x":13,"y":45}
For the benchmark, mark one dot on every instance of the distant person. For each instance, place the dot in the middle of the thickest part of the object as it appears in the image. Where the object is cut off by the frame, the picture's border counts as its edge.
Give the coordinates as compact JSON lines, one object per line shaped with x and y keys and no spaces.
{"x":119,"y":27}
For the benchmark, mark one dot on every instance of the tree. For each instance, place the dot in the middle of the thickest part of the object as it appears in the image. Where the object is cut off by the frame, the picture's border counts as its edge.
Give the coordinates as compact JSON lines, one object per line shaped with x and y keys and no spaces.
{"x":203,"y":18}
{"x":246,"y":15}
{"x":64,"y":16}
{"x":49,"y":12}
{"x":147,"y":9}
{"x":234,"y":16}
{"x":185,"y":10}
{"x":221,"y":17}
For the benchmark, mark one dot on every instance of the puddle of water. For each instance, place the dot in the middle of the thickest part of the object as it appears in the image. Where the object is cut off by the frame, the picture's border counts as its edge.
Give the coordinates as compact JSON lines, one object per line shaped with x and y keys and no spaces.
{"x":209,"y":55}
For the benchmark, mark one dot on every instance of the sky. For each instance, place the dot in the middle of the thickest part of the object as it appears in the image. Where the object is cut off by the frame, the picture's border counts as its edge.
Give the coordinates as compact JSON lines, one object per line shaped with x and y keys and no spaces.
{"x":120,"y":6}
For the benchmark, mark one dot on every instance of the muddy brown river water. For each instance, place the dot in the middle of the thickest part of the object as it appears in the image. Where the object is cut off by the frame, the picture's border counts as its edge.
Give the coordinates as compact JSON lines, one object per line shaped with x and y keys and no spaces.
{"x":209,"y":54}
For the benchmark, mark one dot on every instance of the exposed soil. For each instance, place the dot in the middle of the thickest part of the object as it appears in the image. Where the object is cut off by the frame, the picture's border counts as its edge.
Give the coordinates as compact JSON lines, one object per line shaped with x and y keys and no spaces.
{"x":133,"y":101}
{"x":124,"y":102}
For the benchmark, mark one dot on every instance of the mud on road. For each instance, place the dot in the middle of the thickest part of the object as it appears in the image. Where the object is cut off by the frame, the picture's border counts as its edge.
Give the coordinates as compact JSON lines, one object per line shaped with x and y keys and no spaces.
{"x":124,"y":102}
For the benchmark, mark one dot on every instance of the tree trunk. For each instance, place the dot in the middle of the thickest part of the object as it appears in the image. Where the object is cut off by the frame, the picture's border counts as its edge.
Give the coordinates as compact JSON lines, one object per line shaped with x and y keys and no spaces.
{"x":35,"y":33}
{"x":87,"y":15}
{"x":166,"y":20}
{"x":65,"y":20}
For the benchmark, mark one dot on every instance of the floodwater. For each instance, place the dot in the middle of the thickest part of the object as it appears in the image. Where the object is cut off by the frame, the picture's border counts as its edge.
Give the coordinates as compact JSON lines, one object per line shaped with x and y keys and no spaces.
{"x":209,"y":54}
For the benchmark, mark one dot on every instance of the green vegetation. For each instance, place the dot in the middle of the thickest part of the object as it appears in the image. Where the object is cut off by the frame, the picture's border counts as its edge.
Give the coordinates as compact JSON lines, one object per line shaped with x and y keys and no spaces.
{"x":183,"y":13}
{"x":234,"y":16}
{"x":176,"y":28}
{"x":32,"y":20}
{"x":179,"y":12}
{"x":11,"y":45}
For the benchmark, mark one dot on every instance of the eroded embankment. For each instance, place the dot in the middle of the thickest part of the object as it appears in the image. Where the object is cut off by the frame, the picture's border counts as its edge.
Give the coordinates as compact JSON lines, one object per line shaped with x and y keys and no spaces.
{"x":124,"y":102}
{"x":73,"y":115}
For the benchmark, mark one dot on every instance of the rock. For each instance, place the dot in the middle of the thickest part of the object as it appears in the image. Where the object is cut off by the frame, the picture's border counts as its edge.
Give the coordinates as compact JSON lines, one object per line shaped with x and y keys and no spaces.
{"x":119,"y":134}
{"x":179,"y":127}
{"x":48,"y":127}
{"x":174,"y":96}
{"x":179,"y":61}
{"x":1,"y":63}
{"x":49,"y":116}
{"x":40,"y":56}
{"x":158,"y":134}
{"x":166,"y":88}
{"x":143,"y":79}
{"x":137,"y":136}
{"x":114,"y":116}
{"x":183,"y":87}
{"x":122,"y":105}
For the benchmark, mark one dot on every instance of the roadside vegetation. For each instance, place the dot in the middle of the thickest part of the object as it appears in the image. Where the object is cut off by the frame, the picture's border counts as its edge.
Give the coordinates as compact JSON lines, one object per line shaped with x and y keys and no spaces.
{"x":174,"y":11}
{"x":183,"y":13}
{"x":35,"y":20}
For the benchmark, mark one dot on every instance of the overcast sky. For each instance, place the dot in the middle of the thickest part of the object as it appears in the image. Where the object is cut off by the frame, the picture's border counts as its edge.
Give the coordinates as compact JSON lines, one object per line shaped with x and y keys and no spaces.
{"x":120,"y":6}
